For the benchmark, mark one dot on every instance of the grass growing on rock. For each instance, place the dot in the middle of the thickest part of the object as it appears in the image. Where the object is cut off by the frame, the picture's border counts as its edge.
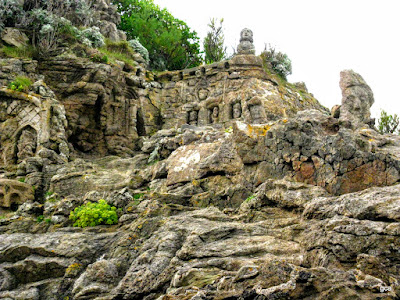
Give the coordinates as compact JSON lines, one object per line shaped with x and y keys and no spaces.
{"x":118,"y":51}
{"x":14,"y":52}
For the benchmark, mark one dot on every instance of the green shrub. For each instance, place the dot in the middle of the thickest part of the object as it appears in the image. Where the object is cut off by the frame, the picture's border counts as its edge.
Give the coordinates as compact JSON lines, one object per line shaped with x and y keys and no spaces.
{"x":92,"y":214}
{"x":40,"y":219}
{"x":20,"y":83}
{"x":279,"y":62}
{"x":388,"y":123}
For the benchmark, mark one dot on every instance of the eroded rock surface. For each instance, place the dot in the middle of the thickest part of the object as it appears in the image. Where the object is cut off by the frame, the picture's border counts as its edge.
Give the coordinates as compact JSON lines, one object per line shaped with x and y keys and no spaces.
{"x":227,"y":183}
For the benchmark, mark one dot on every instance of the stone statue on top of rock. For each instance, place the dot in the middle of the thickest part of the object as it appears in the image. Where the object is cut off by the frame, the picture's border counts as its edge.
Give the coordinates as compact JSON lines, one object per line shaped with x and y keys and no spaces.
{"x":246,"y":45}
{"x":357,"y":99}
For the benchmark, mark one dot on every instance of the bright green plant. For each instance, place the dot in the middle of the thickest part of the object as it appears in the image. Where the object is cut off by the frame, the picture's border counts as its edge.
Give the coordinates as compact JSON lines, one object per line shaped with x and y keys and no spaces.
{"x":248,"y":199}
{"x":40,"y":219}
{"x":279,"y":62}
{"x":92,"y":214}
{"x":99,"y":58}
{"x":170,"y":42}
{"x":388,"y":123}
{"x":214,"y":43}
{"x":20,"y":83}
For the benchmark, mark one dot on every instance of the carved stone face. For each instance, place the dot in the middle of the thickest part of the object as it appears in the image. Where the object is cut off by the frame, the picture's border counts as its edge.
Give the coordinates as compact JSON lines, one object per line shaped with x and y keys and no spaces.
{"x":236,"y":111}
{"x":193,"y":117}
{"x":203,"y":93}
{"x":215,"y":112}
{"x":246,"y":35}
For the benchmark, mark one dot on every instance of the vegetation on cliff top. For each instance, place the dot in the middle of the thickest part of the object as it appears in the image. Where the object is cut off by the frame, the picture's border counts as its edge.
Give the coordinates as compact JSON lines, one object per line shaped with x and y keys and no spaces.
{"x":171,"y":43}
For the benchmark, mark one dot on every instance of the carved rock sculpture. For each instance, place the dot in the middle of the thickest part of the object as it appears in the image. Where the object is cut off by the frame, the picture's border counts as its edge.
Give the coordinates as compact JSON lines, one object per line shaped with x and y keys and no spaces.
{"x":357,"y":99}
{"x":14,"y":193}
{"x":246,"y":42}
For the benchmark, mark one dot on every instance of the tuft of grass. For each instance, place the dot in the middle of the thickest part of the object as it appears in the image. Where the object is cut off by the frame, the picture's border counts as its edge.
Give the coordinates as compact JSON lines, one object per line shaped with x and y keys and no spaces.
{"x":118,"y":51}
{"x":20,"y":83}
{"x":14,"y":52}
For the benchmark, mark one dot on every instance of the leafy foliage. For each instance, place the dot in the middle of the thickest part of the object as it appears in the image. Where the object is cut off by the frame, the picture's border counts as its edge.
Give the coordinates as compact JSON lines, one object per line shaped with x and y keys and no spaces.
{"x":170,"y":42}
{"x":20,"y":83}
{"x":278,"y":61}
{"x":388,"y":123}
{"x":11,"y":13}
{"x":92,"y":37}
{"x":214,"y":43}
{"x":92,"y":214}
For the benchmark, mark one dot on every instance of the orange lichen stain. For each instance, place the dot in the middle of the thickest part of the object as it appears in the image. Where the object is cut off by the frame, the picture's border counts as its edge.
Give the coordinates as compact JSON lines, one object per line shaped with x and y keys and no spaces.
{"x":371,"y":140}
{"x":285,"y":120}
{"x":259,"y":130}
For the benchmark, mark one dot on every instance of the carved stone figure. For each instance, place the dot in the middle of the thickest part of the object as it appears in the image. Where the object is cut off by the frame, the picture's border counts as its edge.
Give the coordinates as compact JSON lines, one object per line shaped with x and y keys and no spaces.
{"x":193,"y":117}
{"x":203,"y":93}
{"x":256,"y":113}
{"x":357,"y":99}
{"x":246,"y":42}
{"x":214,"y":113}
{"x":26,"y":144}
{"x":236,"y":110}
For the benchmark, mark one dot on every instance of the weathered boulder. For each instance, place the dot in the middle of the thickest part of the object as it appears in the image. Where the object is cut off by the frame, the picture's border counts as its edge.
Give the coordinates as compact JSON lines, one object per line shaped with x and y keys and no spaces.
{"x":14,"y":37}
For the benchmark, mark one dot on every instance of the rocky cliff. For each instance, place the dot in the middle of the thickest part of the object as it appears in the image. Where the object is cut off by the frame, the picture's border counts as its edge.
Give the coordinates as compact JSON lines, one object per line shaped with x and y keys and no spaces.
{"x":228,"y":184}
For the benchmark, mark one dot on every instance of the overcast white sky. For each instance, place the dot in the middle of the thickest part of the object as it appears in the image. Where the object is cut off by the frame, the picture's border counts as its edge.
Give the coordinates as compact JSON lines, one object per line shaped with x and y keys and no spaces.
{"x":321,"y":38}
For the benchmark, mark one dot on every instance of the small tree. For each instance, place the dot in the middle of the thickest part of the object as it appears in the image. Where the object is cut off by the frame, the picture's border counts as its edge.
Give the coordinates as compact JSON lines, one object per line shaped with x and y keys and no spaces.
{"x":388,"y":123}
{"x":214,"y":43}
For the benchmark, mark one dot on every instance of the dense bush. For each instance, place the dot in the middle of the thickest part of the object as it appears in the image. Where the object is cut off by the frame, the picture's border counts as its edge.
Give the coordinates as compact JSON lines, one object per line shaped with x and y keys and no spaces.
{"x":277,"y":61}
{"x":170,"y":42}
{"x":92,"y":214}
{"x":388,"y":123}
{"x":214,"y":43}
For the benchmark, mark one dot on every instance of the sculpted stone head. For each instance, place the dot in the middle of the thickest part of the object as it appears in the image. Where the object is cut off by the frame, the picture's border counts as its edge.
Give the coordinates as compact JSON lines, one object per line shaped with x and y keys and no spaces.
{"x":246,"y":35}
{"x":236,"y":110}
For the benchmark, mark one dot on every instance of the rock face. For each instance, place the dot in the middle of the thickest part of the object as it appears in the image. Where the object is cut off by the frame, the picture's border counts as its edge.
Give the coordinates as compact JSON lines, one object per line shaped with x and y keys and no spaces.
{"x":357,"y":99}
{"x":227,"y":183}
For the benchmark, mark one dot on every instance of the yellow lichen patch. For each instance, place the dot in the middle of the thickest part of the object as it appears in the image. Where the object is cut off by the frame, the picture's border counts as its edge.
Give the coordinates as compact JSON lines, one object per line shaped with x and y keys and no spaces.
{"x":73,"y":269}
{"x":258,"y":130}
